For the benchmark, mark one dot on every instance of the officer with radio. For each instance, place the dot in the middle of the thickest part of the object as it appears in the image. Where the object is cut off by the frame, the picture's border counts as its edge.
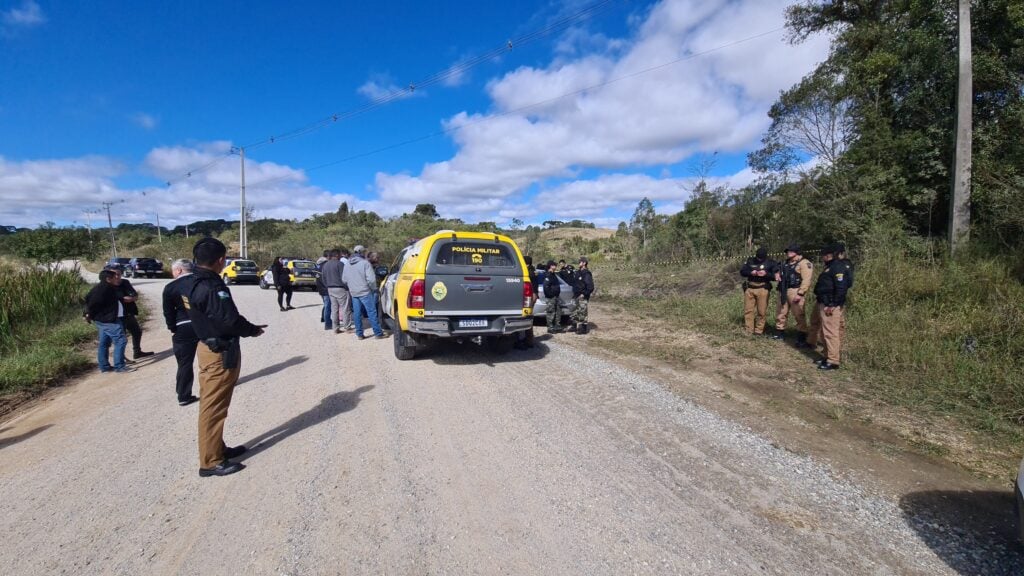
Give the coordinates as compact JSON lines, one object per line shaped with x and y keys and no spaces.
{"x":794,"y":277}
{"x":759,"y":272}
{"x":218,"y":325}
{"x":552,"y":290}
{"x":828,"y":322}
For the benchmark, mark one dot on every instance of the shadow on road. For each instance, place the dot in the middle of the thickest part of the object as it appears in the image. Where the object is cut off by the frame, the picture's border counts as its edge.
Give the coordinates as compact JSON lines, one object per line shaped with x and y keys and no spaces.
{"x":272,"y":369}
{"x":11,"y":441}
{"x":974,"y":532}
{"x":328,"y":408}
{"x":451,"y":353}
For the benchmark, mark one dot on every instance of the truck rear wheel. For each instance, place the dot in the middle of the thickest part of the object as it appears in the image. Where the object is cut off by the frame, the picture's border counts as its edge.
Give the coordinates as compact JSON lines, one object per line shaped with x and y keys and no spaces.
{"x":405,"y":348}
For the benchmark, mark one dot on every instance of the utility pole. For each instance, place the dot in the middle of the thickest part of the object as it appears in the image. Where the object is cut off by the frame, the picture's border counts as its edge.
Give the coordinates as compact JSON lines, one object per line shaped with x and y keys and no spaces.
{"x":110,"y":226}
{"x":960,"y":200}
{"x":159,"y":238}
{"x":243,"y":252}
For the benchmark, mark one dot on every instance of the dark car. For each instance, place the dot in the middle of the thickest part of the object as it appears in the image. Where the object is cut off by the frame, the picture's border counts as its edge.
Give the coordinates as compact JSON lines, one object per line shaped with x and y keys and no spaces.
{"x":118,"y":264}
{"x":148,"y":267}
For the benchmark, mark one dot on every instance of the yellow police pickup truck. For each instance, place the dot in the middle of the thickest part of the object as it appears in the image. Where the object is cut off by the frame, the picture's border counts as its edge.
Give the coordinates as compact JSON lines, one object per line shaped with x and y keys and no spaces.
{"x":239,"y":270}
{"x":468,"y":286}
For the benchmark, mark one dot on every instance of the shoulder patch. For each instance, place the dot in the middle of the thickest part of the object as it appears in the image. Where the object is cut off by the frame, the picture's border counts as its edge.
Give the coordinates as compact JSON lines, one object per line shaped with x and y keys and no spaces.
{"x":223,"y":295}
{"x":839,"y":277}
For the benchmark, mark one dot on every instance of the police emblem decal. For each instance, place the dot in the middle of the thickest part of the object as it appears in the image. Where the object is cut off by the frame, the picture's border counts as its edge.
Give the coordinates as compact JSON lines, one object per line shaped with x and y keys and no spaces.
{"x":223,"y":295}
{"x":439,"y":291}
{"x":477,"y":258}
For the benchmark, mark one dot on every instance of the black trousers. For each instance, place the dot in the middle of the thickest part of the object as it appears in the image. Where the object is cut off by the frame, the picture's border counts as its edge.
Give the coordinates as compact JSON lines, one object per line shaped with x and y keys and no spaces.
{"x":184,"y":343}
{"x":131,"y":325}
{"x":281,"y":292}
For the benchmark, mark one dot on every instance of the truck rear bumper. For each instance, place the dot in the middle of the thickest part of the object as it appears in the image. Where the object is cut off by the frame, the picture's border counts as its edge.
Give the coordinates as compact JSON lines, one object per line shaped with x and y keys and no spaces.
{"x":443,"y":327}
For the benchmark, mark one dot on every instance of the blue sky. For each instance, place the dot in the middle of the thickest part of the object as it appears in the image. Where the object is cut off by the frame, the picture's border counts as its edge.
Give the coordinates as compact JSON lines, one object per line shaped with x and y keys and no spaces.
{"x":109,"y":101}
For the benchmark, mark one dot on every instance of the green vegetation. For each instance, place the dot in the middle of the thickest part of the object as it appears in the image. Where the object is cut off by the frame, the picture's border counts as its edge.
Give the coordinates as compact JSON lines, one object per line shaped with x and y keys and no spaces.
{"x":40,"y":324}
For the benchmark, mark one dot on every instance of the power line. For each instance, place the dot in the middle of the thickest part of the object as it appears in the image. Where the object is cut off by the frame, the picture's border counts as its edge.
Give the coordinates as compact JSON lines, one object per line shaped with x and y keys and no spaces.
{"x":449,"y":73}
{"x":497,"y":115}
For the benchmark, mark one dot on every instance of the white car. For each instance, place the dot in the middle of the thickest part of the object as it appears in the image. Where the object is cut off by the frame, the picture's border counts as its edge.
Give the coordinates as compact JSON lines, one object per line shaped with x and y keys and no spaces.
{"x":565,"y":299}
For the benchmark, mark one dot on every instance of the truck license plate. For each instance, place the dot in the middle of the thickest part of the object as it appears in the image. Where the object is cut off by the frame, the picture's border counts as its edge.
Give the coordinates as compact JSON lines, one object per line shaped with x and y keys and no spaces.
{"x":472,"y":323}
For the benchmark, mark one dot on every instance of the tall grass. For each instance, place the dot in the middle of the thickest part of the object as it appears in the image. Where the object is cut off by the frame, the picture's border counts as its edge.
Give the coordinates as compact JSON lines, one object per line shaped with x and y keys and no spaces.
{"x":34,"y":299}
{"x":40,"y":324}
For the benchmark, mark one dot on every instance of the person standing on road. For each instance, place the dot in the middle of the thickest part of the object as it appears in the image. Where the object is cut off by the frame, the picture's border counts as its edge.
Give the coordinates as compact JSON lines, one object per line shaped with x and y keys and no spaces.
{"x":581,"y":292}
{"x":218,"y":325}
{"x":283,"y":283}
{"x":183,"y":337}
{"x":758,"y":272}
{"x":828,"y":321}
{"x":104,"y":309}
{"x":794,"y":277}
{"x":552,"y":290}
{"x":362,"y":283}
{"x":337,"y":291}
{"x":131,"y":309}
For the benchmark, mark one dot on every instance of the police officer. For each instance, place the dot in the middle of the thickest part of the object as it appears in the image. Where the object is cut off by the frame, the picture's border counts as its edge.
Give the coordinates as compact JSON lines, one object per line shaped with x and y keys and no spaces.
{"x":828,"y":322}
{"x":183,"y":337}
{"x":794,"y":277}
{"x":759,"y":272}
{"x":218,"y":325}
{"x":552,"y":289}
{"x":581,"y":291}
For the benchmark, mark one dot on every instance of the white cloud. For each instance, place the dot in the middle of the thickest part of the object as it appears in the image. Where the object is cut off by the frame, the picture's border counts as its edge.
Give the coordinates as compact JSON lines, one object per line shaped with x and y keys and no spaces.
{"x":27,"y":15}
{"x":383,"y":87}
{"x":63,"y":190}
{"x":712,"y":100}
{"x":145,"y":121}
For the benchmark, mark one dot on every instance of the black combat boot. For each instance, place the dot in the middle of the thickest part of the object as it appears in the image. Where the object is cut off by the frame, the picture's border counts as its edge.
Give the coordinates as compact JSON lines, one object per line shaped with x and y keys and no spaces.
{"x":571,"y":328}
{"x":801,"y":340}
{"x":777,"y":335}
{"x":583,"y":328}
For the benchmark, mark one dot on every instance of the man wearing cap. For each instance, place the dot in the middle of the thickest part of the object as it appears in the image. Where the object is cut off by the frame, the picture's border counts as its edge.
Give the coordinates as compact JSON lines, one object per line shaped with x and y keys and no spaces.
{"x":794,"y":277}
{"x":759,"y":272}
{"x":582,"y":288}
{"x":552,"y":290}
{"x":828,"y":324}
{"x":362,"y":285}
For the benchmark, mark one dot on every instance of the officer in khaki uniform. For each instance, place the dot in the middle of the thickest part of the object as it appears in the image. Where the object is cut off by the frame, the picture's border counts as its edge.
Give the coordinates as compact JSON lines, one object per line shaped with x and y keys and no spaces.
{"x":794,"y":277}
{"x":828,"y":322}
{"x":218,"y":325}
{"x":759,"y":272}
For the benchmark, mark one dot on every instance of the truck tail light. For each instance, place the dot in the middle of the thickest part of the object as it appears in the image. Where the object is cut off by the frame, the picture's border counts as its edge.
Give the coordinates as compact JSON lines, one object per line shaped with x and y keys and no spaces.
{"x":417,"y":293}
{"x":527,"y":294}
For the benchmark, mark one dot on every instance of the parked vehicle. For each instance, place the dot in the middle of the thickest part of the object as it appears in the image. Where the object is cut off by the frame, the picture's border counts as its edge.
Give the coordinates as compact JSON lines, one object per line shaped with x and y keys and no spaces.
{"x":565,"y":299}
{"x":148,"y":267}
{"x":461,"y":285}
{"x":118,"y":264}
{"x":302,"y":272}
{"x":239,"y":271}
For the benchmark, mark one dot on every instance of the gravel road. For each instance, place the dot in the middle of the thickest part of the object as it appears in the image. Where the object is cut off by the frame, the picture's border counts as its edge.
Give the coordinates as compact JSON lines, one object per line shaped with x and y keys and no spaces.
{"x":546,"y":461}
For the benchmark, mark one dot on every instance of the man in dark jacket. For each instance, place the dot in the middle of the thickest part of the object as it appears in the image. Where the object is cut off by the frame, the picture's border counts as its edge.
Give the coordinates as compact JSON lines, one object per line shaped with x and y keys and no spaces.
{"x":828,"y":321}
{"x":337,"y":291}
{"x":183,"y":337}
{"x":758,"y":272}
{"x":104,"y":309}
{"x":129,"y":297}
{"x":218,"y":326}
{"x":581,"y":291}
{"x":552,"y":289}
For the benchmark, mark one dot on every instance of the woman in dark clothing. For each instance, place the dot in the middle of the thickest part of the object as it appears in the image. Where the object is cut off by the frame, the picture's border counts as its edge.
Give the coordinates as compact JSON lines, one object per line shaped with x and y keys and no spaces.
{"x":283,"y":283}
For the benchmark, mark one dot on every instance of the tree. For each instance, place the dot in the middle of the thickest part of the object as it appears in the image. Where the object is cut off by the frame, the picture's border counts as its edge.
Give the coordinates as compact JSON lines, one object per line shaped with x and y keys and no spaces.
{"x":343,"y":211}
{"x":49,"y":244}
{"x":428,"y":210}
{"x":643,"y":221}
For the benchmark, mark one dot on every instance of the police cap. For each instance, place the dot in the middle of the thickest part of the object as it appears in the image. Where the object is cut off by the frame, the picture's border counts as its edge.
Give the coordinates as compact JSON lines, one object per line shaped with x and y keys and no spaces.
{"x":794,"y":248}
{"x":838,"y":248}
{"x":761,"y":253}
{"x":828,"y":249}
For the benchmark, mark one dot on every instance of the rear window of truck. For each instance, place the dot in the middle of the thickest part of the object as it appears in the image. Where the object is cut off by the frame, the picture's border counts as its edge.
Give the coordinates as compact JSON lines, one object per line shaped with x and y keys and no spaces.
{"x":477,"y":254}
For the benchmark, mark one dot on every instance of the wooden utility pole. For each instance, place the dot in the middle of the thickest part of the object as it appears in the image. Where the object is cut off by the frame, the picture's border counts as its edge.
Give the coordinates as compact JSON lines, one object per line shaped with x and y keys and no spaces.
{"x":110,"y":226}
{"x":960,"y":201}
{"x":159,"y":238}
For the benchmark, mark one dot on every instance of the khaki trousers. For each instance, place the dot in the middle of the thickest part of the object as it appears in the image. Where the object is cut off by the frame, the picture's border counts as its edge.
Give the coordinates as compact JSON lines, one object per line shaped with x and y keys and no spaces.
{"x":755,"y":309}
{"x":829,"y":331}
{"x":216,"y":385}
{"x":786,"y":305}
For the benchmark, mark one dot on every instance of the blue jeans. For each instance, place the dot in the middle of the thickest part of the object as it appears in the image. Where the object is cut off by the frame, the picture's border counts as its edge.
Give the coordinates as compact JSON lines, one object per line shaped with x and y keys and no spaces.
{"x":111,"y":333}
{"x":369,"y":302}
{"x":325,"y":314}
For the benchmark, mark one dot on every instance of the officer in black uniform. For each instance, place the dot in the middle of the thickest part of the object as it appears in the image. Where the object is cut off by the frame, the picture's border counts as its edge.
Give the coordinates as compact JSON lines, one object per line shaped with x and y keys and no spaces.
{"x":828,"y":323}
{"x":183,"y":337}
{"x":218,"y":325}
